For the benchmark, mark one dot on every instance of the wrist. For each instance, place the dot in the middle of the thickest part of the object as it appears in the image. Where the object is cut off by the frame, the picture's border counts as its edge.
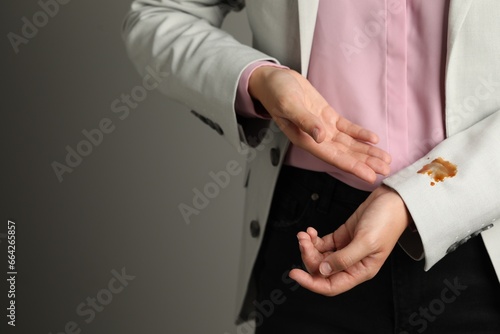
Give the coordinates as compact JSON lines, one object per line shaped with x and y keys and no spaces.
{"x":401,"y":211}
{"x":258,"y":77}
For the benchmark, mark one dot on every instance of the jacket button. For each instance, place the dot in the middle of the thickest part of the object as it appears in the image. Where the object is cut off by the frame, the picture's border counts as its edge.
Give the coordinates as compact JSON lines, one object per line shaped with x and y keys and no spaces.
{"x":275,"y":156}
{"x":255,"y":229}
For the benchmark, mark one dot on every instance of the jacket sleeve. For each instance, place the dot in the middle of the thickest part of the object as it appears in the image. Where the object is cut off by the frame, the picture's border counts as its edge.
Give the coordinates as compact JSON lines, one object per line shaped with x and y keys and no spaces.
{"x":203,"y":63}
{"x":449,"y":213}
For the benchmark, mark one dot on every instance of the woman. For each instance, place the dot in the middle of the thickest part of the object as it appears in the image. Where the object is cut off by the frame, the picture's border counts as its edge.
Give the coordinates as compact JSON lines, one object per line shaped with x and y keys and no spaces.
{"x":414,"y":72}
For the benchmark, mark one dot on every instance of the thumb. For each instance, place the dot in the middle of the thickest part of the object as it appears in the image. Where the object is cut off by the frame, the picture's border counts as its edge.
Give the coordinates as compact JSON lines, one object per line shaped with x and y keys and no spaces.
{"x":304,"y":121}
{"x":344,"y":258}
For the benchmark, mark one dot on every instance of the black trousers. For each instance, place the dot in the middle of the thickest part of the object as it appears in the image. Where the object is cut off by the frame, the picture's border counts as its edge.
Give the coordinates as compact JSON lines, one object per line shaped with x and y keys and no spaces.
{"x":460,"y":294}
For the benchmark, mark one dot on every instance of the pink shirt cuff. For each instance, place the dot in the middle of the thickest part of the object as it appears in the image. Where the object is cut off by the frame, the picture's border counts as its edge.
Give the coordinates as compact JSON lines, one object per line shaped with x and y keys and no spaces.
{"x":244,"y":104}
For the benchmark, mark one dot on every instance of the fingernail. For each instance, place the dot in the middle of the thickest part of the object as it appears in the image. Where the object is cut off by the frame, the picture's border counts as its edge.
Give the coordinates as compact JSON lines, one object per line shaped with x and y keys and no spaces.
{"x":316,"y":134}
{"x":325,"y":269}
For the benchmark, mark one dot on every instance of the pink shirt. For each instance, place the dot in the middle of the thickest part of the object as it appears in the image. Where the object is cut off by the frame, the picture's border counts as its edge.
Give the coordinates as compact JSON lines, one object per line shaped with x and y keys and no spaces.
{"x":379,"y":63}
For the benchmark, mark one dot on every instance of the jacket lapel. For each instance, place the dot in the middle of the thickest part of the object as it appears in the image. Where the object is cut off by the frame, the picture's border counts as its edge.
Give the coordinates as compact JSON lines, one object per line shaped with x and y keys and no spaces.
{"x":308,"y":10}
{"x":458,"y":11}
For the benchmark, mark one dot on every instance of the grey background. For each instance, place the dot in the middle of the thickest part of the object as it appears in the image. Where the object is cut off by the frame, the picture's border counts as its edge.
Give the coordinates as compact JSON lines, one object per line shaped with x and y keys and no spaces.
{"x":119,"y":207}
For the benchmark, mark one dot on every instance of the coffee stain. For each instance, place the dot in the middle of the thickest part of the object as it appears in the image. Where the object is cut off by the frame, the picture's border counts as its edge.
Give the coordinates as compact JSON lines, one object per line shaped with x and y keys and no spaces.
{"x":438,"y":170}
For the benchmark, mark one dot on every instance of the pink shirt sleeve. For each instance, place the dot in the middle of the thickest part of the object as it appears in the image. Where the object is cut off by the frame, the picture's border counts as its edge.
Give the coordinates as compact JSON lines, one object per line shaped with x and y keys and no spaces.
{"x":244,"y":104}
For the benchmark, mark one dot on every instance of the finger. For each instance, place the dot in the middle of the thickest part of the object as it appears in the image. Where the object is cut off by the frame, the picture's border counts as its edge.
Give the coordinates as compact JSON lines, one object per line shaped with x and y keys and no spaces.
{"x":345,"y":258}
{"x":337,"y":155}
{"x":377,"y":165}
{"x":358,"y":164}
{"x":369,"y":151}
{"x":340,"y":155}
{"x":363,"y":148}
{"x":351,"y":164}
{"x":364,"y":172}
{"x":331,"y":286}
{"x":313,"y":234}
{"x":356,"y":131}
{"x":366,"y":167}
{"x":303,"y":236}
{"x":324,"y":244}
{"x":315,"y":284}
{"x":297,"y":113}
{"x":310,"y":255}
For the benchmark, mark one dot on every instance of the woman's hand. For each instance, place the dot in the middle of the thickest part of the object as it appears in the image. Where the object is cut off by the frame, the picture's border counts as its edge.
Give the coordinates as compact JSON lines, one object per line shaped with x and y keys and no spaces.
{"x":313,"y":125}
{"x":355,"y":252}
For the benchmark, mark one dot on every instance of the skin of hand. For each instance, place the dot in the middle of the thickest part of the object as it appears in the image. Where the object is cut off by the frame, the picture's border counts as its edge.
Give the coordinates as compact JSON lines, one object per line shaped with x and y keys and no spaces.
{"x":312,"y":124}
{"x":355,"y":252}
